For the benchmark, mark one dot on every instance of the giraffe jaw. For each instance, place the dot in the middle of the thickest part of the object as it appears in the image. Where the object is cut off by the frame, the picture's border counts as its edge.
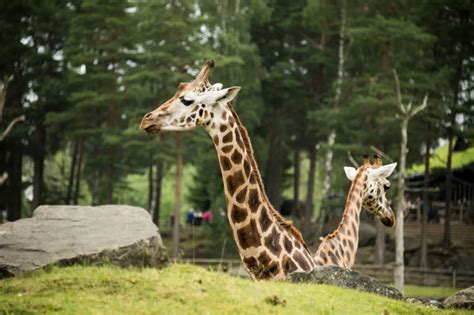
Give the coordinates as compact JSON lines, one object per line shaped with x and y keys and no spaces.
{"x":153,"y":129}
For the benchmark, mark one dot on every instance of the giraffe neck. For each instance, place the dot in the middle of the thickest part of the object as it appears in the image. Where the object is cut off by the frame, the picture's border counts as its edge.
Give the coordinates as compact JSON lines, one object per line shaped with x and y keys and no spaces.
{"x":340,"y":247}
{"x":269,"y":246}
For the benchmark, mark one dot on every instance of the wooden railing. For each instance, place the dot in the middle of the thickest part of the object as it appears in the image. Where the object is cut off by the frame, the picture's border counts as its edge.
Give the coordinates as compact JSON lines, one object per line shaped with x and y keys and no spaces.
{"x":384,"y":274}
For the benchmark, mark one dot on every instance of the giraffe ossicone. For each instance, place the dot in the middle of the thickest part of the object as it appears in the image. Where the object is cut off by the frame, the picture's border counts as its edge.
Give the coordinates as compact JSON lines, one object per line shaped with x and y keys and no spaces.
{"x":269,"y":246}
{"x":369,"y":184}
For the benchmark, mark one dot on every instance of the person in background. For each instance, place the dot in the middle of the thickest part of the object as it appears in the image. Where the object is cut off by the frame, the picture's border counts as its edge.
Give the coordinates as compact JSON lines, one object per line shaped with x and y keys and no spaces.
{"x":207,"y":216}
{"x":190,"y":216}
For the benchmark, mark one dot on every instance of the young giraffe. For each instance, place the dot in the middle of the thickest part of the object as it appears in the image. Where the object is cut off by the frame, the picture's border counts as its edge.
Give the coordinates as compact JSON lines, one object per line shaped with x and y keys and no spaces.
{"x":369,"y":184}
{"x":269,"y":246}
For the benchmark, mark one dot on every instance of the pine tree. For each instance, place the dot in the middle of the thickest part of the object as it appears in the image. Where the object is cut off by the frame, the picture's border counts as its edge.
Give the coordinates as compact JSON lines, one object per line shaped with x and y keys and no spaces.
{"x":98,"y":48}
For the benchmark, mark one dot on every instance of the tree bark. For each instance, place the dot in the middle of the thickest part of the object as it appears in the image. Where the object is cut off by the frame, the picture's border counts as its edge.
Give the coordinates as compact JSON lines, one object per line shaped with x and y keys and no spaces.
{"x":77,"y":189}
{"x":309,"y":206}
{"x":110,"y":180}
{"x":379,"y":243}
{"x":448,"y":185}
{"x":296,"y":181}
{"x":406,"y":113}
{"x":399,"y":268}
{"x":150,"y":186}
{"x":70,"y":184}
{"x":337,"y":98}
{"x":14,"y":181}
{"x":426,"y":204}
{"x":157,"y":194}
{"x":177,"y":214}
{"x":273,"y":169}
{"x":38,"y":168}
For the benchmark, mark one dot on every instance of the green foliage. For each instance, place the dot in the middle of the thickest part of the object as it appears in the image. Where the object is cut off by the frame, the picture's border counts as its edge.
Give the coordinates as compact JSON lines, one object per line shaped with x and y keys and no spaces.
{"x":184,"y":289}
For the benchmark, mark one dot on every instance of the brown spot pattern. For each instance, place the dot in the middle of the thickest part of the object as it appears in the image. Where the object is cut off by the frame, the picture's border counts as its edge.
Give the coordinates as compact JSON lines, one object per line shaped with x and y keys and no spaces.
{"x":265,"y":221}
{"x":238,"y":214}
{"x":254,"y":201}
{"x":301,"y":261}
{"x":236,"y":157}
{"x":248,"y":236}
{"x":246,"y":168}
{"x":234,"y":181}
{"x":241,"y":195}
{"x":272,"y":242}
{"x":225,"y":162}
{"x":228,"y":137}
{"x":227,"y":148}
{"x":288,"y":245}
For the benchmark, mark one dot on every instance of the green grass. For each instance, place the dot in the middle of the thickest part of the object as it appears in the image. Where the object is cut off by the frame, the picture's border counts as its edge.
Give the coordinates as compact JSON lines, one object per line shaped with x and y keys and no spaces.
{"x":433,"y":292}
{"x":182,"y":289}
{"x":438,"y":160}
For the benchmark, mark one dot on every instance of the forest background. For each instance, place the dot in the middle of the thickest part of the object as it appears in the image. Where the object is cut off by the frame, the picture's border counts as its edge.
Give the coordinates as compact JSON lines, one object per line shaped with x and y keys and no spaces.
{"x":318,"y":91}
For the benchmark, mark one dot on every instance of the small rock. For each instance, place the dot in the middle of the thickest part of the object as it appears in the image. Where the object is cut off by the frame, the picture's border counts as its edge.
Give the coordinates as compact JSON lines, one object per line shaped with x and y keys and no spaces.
{"x":435,"y":304}
{"x":461,"y":299}
{"x":346,"y":278}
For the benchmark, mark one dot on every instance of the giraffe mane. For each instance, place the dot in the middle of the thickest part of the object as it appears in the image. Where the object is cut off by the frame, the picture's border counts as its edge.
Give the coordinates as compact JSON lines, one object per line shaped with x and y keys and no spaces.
{"x":286,"y":224}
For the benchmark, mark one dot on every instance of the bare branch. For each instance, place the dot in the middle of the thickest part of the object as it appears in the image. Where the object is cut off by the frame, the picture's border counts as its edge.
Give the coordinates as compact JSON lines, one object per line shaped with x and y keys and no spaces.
{"x":10,"y":126}
{"x":381,"y":153}
{"x":399,"y":93}
{"x":408,"y":107}
{"x":352,"y":160}
{"x":3,"y":92}
{"x":3,"y":178}
{"x":421,"y":107}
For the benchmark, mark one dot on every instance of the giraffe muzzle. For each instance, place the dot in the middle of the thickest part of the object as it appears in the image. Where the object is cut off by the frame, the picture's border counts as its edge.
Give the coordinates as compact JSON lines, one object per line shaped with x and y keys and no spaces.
{"x":149,"y":124}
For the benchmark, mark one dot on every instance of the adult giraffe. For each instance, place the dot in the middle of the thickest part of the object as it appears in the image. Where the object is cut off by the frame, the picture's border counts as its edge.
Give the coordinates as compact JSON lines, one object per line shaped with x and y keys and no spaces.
{"x":269,"y":246}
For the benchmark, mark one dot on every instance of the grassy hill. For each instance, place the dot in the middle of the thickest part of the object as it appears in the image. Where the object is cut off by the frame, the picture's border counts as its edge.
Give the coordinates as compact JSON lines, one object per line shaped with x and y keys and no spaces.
{"x":182,"y":289}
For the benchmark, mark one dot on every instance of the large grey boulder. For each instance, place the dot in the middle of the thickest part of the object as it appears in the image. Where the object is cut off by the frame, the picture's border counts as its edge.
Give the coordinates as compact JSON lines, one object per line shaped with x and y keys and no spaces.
{"x":461,"y":299}
{"x":346,"y":278}
{"x":63,"y":235}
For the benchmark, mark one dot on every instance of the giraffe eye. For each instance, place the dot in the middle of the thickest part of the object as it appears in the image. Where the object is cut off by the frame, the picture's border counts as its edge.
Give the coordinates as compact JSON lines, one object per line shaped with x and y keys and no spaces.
{"x":386,"y":187}
{"x":186,"y":102}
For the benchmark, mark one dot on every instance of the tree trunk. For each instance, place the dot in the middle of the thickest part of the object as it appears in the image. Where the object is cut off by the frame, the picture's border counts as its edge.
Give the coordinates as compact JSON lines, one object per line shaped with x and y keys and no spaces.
{"x":379,"y":243}
{"x":110,"y":180}
{"x":150,"y":186}
{"x":70,"y":184}
{"x":77,"y":189}
{"x":426,"y":204}
{"x":448,"y":185}
{"x":399,"y":269}
{"x":177,"y":208}
{"x":296,"y":182}
{"x":95,"y":187}
{"x":273,"y":169}
{"x":157,"y":194}
{"x":337,"y":98}
{"x":38,"y":171}
{"x":309,"y":206}
{"x":14,"y":181}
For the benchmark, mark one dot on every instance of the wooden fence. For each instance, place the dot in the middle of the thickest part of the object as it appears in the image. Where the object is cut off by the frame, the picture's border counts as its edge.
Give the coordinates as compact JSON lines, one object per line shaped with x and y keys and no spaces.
{"x":384,"y":274}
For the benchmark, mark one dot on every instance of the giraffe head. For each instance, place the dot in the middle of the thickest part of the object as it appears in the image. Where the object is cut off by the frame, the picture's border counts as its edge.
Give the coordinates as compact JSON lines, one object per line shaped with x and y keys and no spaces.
{"x":374,"y":188}
{"x":195,"y":104}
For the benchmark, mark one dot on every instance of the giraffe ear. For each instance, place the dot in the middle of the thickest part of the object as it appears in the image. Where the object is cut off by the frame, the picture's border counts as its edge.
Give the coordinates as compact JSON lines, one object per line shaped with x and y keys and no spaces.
{"x":229,"y":94}
{"x":350,"y":172}
{"x":385,"y":170}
